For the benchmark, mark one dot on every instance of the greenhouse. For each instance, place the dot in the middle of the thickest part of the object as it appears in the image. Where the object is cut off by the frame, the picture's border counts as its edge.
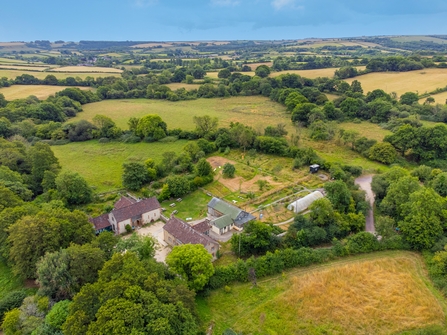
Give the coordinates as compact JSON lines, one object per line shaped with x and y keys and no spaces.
{"x":304,"y":203}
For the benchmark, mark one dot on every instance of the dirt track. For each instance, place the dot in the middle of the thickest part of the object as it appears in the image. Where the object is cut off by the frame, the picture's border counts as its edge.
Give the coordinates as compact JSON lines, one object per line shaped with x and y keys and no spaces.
{"x":365,"y":184}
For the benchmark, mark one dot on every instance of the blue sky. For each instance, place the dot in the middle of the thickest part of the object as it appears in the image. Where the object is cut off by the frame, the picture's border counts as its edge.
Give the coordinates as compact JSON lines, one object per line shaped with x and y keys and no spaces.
{"x":172,"y":20}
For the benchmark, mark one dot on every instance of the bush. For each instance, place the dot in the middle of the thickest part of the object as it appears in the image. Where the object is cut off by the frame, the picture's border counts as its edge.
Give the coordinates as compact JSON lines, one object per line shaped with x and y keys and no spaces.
{"x":228,"y":170}
{"x":10,"y":301}
{"x":128,"y":228}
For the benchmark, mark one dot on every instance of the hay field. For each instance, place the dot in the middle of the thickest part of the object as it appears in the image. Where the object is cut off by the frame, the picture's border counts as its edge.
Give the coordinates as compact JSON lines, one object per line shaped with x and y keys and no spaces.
{"x":86,"y":69}
{"x":440,"y":98}
{"x":101,"y":163}
{"x":188,"y":87}
{"x":380,"y":293}
{"x":12,"y":74}
{"x":419,"y":81}
{"x":40,"y":91}
{"x":312,"y":74}
{"x":253,"y":66}
{"x":12,"y":60}
{"x":25,"y":68}
{"x":256,"y":111}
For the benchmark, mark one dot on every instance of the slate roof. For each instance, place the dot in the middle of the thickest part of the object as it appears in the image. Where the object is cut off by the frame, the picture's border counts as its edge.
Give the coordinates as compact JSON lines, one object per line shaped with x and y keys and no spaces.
{"x":185,"y":233}
{"x":100,"y":222}
{"x":243,"y":218}
{"x":202,"y":227}
{"x":224,"y":207}
{"x":239,"y":216}
{"x":124,"y":202}
{"x":222,"y":222}
{"x":136,"y":209}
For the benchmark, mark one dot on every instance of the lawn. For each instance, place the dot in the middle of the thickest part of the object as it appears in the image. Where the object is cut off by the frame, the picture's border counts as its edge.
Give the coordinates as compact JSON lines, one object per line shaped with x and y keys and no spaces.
{"x":256,"y":111}
{"x":419,"y":81}
{"x":101,"y":163}
{"x":193,"y":205}
{"x":40,"y":91}
{"x":379,"y":293}
{"x":12,"y":74}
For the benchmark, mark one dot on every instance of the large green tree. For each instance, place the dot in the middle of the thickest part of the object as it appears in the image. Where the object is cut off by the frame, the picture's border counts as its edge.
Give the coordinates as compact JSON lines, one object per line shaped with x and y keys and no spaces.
{"x":47,"y":231}
{"x":73,"y":188}
{"x":132,"y":297}
{"x":135,"y":175}
{"x":149,"y":124}
{"x":424,"y":218}
{"x":192,"y":263}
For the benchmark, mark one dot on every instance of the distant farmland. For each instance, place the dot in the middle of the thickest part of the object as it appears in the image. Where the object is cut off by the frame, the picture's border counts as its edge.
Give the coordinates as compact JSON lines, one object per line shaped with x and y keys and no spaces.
{"x":86,"y":69}
{"x":256,"y":111}
{"x":40,"y":91}
{"x":419,"y":81}
{"x":312,"y":74}
{"x":12,"y":74}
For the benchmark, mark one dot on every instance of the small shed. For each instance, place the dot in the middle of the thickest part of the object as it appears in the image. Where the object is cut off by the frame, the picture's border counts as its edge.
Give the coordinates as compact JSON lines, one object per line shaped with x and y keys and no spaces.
{"x":302,"y":204}
{"x":314,"y":168}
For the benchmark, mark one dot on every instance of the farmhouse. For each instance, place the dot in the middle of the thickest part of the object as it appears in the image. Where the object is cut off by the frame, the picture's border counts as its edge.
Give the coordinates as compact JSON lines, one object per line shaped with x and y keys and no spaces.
{"x":177,"y":232}
{"x":226,"y":216}
{"x":304,"y":203}
{"x":128,"y":211}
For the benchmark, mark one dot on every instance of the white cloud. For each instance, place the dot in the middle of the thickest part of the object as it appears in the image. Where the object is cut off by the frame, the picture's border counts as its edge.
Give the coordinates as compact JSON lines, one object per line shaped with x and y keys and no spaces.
{"x":225,"y":3}
{"x":280,"y":4}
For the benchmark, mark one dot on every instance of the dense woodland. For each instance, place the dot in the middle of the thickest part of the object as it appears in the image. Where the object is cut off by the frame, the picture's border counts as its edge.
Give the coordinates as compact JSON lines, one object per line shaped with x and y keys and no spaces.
{"x":105,"y":284}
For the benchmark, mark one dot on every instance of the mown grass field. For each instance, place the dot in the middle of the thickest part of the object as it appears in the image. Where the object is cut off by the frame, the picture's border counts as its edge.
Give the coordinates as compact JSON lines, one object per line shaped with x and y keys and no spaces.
{"x":379,"y":293}
{"x":40,"y":91}
{"x":419,"y":81}
{"x":86,"y":69}
{"x":256,"y":111}
{"x":12,"y":74}
{"x":101,"y":163}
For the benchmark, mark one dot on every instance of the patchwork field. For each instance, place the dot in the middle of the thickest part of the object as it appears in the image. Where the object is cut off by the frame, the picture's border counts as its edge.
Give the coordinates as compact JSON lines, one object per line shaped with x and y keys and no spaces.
{"x":312,"y":74}
{"x":101,"y":163}
{"x":86,"y":69}
{"x":24,"y":67}
{"x":40,"y":91}
{"x":12,"y":74}
{"x":214,"y":74}
{"x":380,"y":293}
{"x":255,"y":111}
{"x":419,"y":81}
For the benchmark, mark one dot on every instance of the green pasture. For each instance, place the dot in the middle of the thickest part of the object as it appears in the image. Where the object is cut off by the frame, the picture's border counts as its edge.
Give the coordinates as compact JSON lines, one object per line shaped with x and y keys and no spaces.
{"x":101,"y":163}
{"x":256,"y":111}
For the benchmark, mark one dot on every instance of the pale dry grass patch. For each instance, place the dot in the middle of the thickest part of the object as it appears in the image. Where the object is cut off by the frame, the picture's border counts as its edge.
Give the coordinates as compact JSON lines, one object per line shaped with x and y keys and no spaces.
{"x":374,"y":297}
{"x":40,"y":91}
{"x":419,"y":81}
{"x":86,"y":69}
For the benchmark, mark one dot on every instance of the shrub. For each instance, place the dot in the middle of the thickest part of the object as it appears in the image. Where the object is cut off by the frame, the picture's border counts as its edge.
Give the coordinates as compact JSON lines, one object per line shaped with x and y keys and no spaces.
{"x":12,"y":300}
{"x":128,"y":228}
{"x":228,"y":170}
